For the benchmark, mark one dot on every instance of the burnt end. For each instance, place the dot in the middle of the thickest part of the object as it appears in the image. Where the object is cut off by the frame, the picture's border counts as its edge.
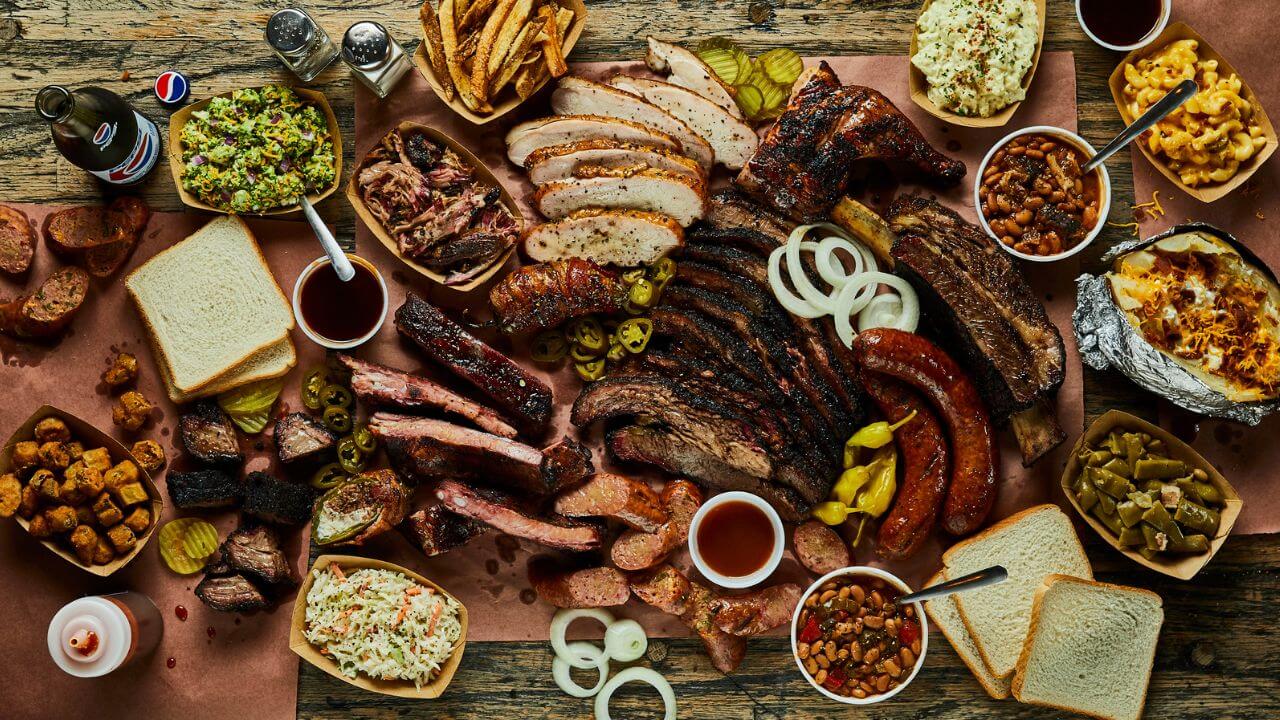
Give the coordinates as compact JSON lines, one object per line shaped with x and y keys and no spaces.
{"x":298,"y":436}
{"x":209,"y":435}
{"x":255,"y":551}
{"x":566,"y":463}
{"x":435,"y":531}
{"x":422,"y":152}
{"x":230,"y":593}
{"x":203,"y":490}
{"x":276,"y":501}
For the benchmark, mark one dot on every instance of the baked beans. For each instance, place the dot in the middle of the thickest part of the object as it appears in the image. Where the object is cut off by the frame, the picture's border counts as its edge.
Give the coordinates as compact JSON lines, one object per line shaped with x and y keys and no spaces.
{"x":1035,"y":197}
{"x":854,"y":639}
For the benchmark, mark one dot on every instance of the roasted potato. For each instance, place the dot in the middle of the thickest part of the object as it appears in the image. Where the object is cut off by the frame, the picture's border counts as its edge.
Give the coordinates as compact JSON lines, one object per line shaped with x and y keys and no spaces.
{"x":131,"y":411}
{"x":54,"y":455}
{"x":52,"y":429}
{"x":148,"y":454}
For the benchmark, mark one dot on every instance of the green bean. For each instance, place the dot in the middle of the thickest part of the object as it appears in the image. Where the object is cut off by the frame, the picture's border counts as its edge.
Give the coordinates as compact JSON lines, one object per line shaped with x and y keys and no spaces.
{"x":1087,"y":496}
{"x":1129,"y":512}
{"x":1197,"y":517}
{"x":1110,"y":519}
{"x":1208,"y":493}
{"x":1109,"y":482}
{"x":1158,"y":468}
{"x":1130,"y":537}
{"x":1119,"y":467}
{"x":1141,"y":499}
{"x":1097,"y":458}
{"x":1190,"y":544}
{"x":1107,"y":504}
{"x":1160,"y":518}
{"x":1133,"y":448}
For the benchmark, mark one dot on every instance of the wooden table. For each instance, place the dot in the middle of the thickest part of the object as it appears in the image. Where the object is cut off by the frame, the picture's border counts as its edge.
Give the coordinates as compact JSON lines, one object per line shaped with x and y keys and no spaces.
{"x":1220,"y":645}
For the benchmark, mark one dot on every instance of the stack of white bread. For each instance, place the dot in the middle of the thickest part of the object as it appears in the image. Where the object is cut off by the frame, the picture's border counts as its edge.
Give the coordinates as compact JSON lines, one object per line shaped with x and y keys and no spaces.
{"x":1049,"y":635}
{"x":217,"y":318}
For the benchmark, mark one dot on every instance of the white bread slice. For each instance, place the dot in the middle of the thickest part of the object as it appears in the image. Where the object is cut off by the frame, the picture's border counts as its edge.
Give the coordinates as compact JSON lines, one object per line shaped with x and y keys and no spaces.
{"x":1090,"y":648}
{"x":271,"y":362}
{"x":1031,"y":545}
{"x":210,"y":303}
{"x":946,"y":616}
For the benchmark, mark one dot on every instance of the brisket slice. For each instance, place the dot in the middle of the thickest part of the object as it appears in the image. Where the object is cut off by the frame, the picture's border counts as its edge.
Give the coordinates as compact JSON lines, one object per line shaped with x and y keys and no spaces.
{"x":231,"y":593}
{"x":429,"y":448}
{"x":383,"y":386}
{"x":681,"y":455}
{"x":208,"y":435}
{"x":503,"y":513}
{"x":524,"y":396}
{"x":255,"y":551}
{"x":435,"y":531}
{"x":729,"y":208}
{"x":298,"y":436}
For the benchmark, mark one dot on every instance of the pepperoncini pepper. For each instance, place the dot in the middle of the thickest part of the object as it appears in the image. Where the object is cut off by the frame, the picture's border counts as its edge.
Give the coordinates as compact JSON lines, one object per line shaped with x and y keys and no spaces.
{"x":831,"y":513}
{"x":875,"y":497}
{"x":876,"y":435}
{"x":851,"y":480}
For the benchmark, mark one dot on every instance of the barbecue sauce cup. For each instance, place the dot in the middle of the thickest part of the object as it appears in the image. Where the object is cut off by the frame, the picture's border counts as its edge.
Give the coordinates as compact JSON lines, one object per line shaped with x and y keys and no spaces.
{"x":340,"y":315}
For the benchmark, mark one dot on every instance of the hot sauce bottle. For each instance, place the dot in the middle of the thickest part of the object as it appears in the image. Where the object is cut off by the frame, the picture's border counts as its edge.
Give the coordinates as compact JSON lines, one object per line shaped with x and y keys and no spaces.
{"x":95,"y":635}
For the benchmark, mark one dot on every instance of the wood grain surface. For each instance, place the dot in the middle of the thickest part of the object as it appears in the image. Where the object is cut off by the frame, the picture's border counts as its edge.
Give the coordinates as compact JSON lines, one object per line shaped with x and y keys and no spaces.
{"x":1221,"y":643}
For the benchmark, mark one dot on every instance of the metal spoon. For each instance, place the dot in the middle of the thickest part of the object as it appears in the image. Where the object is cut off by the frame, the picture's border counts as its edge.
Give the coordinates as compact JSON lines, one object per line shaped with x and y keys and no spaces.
{"x":973,"y":581}
{"x":337,"y":257}
{"x":1167,"y":104}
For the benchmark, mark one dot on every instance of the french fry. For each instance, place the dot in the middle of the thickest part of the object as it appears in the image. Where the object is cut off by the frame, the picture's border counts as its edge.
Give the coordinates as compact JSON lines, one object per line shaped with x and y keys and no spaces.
{"x":529,"y":79}
{"x":552,"y":43}
{"x":449,"y":41}
{"x":488,"y":37}
{"x":460,"y":8}
{"x":435,"y":48}
{"x":521,"y":48}
{"x":475,"y":15}
{"x":505,"y":42}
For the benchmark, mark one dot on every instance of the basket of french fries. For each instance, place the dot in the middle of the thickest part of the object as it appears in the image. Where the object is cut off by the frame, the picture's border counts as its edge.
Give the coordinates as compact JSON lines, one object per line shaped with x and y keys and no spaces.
{"x":485,"y":57}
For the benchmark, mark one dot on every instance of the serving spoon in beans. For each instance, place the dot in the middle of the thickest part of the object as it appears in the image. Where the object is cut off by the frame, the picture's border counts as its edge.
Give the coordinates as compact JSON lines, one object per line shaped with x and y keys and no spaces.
{"x":972,"y":581}
{"x":1165,"y":105}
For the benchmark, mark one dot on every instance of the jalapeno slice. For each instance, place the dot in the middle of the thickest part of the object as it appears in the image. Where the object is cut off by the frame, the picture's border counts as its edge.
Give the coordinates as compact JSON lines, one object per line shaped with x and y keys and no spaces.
{"x":590,"y":371}
{"x":312,"y":385}
{"x":548,"y":347}
{"x":365,"y":439}
{"x":616,"y":351}
{"x":642,"y":293}
{"x":582,"y":354}
{"x":337,"y":419}
{"x":328,"y":476}
{"x":336,"y":396}
{"x":351,"y":458}
{"x":588,"y":334}
{"x":634,"y":334}
{"x":631,"y":276}
{"x":662,"y":270}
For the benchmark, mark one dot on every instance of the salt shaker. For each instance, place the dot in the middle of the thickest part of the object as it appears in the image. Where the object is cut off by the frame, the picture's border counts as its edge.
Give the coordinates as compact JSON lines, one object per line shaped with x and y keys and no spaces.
{"x":302,"y":45}
{"x":375,"y":57}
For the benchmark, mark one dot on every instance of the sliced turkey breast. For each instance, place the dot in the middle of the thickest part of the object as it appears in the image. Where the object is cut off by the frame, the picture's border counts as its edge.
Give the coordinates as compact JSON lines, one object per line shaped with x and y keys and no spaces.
{"x":606,"y":237}
{"x":652,"y":190}
{"x":687,"y":70}
{"x":731,"y":138}
{"x":561,"y":162}
{"x":527,"y":137}
{"x":580,"y":96}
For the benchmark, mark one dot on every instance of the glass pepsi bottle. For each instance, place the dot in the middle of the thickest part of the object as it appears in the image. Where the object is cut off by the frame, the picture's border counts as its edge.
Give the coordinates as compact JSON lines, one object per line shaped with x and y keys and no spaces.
{"x":99,"y":131}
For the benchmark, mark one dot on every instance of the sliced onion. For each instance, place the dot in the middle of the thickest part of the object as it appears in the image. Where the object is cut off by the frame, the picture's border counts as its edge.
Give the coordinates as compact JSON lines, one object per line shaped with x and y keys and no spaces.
{"x":799,"y":279}
{"x":794,"y":305}
{"x":830,"y":267}
{"x":625,"y":641}
{"x":561,"y":622}
{"x":851,"y":303}
{"x":637,"y":674}
{"x":587,"y":652}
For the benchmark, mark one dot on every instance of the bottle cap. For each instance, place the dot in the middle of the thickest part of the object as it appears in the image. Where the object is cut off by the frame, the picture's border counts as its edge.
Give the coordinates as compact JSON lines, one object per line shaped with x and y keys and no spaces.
{"x":172,"y":87}
{"x":365,"y":44}
{"x":290,"y":29}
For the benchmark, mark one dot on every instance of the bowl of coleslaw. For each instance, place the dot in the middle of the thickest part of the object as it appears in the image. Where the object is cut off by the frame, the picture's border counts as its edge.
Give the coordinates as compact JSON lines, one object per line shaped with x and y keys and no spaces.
{"x":378,"y":626}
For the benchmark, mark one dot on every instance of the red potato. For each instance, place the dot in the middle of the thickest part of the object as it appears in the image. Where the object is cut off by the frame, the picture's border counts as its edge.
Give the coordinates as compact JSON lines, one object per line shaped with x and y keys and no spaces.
{"x":635,"y":550}
{"x":819,"y":548}
{"x":620,"y":498}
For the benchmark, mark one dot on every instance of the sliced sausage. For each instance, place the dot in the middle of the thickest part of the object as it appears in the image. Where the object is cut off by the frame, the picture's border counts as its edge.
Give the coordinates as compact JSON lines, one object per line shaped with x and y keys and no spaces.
{"x":17,"y":241}
{"x":50,"y":309}
{"x":624,"y":499}
{"x":975,"y":463}
{"x":819,"y":548}
{"x":925,"y":464}
{"x":667,"y":589}
{"x":664,"y":587}
{"x":98,"y":238}
{"x":569,"y":587}
{"x":757,"y":612}
{"x":636,"y":550}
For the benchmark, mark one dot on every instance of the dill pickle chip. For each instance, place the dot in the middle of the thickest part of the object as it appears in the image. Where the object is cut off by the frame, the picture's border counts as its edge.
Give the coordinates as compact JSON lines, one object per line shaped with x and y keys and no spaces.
{"x":200,"y":540}
{"x":745,"y":67}
{"x":251,"y":423}
{"x":722,"y":63}
{"x":782,"y":66}
{"x":750,"y":99}
{"x":772,"y":93}
{"x":171,"y":538}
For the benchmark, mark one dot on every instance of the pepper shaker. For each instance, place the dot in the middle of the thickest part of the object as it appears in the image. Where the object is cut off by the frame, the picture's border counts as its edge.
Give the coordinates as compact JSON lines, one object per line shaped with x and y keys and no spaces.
{"x":375,"y":57}
{"x":302,"y":45}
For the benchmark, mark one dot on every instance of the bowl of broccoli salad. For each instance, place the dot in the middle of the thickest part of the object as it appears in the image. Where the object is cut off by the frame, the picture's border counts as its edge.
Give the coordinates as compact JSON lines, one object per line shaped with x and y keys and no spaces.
{"x":258,"y":149}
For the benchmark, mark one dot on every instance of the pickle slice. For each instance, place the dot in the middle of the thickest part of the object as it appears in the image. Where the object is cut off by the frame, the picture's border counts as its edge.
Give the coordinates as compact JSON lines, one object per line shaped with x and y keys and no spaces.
{"x":723,"y":63}
{"x":172,"y":538}
{"x":200,"y":540}
{"x":781,"y":65}
{"x":251,"y":423}
{"x":249,"y":407}
{"x":773,"y":93}
{"x":751,"y":100}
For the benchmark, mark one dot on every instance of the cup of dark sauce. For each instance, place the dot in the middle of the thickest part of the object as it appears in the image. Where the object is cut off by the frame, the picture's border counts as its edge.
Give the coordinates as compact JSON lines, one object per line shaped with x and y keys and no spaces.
{"x":340,"y":315}
{"x":1123,"y":25}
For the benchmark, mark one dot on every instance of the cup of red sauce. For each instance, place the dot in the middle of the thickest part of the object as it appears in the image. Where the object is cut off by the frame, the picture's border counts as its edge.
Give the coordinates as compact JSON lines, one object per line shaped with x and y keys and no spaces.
{"x":340,"y":315}
{"x":1123,"y":26}
{"x":736,"y":540}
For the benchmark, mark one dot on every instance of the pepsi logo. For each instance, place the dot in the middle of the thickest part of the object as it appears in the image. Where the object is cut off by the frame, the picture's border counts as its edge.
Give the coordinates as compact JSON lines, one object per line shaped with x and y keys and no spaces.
{"x":139,"y":164}
{"x":104,"y":135}
{"x":171,"y":87}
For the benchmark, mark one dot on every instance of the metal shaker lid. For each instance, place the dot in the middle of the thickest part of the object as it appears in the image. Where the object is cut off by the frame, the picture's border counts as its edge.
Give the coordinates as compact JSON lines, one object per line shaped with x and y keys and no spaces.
{"x":365,"y":44}
{"x":290,"y":29}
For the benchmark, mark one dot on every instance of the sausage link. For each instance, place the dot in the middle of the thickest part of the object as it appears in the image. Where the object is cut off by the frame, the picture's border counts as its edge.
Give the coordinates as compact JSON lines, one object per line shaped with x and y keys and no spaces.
{"x":925,"y":463}
{"x":636,"y":550}
{"x":924,"y":366}
{"x":819,"y":548}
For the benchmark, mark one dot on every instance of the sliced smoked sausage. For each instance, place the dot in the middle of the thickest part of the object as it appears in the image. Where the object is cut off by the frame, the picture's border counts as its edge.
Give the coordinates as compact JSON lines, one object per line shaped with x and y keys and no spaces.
{"x":566,"y":586}
{"x":17,"y":241}
{"x":819,"y":548}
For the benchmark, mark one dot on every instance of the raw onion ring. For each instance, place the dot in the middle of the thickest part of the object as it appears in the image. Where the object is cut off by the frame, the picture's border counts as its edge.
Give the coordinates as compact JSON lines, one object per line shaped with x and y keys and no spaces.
{"x":908,"y":319}
{"x":561,"y":622}
{"x":585,"y":651}
{"x":625,"y":640}
{"x":794,"y":305}
{"x":637,"y":674}
{"x":799,"y":279}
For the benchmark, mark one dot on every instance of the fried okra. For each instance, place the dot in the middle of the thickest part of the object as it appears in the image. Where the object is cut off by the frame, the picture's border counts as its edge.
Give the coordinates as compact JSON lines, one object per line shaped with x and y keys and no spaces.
{"x":52,"y":429}
{"x":149,"y":454}
{"x":39,"y":527}
{"x":103,"y":553}
{"x":54,"y":455}
{"x":26,"y":455}
{"x":88,"y":481}
{"x":120,"y":475}
{"x":10,"y":495}
{"x":107,"y":512}
{"x":122,"y":539}
{"x":123,"y":370}
{"x":61,"y":518}
{"x":98,"y":458}
{"x":46,"y":484}
{"x":30,"y":502}
{"x":139,"y":520}
{"x":131,"y":411}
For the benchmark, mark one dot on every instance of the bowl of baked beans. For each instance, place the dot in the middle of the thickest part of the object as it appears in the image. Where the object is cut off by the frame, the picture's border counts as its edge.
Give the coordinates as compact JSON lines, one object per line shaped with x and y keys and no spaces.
{"x":851,"y":639}
{"x":1033,"y":196}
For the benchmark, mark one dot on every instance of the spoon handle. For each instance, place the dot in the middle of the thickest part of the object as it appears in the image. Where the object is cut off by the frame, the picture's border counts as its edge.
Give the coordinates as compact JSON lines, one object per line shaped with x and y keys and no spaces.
{"x":341,"y":264}
{"x":973,"y":581}
{"x":1165,"y":105}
